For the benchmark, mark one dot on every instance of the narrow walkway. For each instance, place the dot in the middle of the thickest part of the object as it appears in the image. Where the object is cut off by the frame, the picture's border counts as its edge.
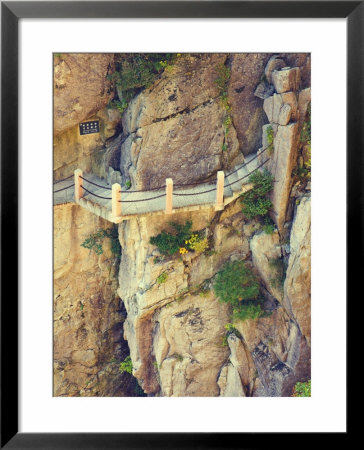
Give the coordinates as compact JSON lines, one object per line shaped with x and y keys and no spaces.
{"x":116,"y":205}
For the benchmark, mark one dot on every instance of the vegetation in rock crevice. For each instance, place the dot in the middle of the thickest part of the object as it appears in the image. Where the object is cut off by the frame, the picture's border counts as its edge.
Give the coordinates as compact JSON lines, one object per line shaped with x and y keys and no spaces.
{"x":126,"y":365}
{"x":94,"y":241}
{"x":270,"y":139}
{"x":302,"y":389}
{"x":181,"y":240}
{"x":222,"y":81}
{"x":237,"y":285}
{"x":303,"y":168}
{"x":256,"y":203}
{"x":279,"y":266}
{"x":135,"y":72}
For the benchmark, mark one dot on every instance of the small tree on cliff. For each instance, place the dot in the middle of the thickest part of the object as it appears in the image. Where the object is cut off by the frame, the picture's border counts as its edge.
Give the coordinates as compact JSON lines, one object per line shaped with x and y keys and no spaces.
{"x":237,"y":285}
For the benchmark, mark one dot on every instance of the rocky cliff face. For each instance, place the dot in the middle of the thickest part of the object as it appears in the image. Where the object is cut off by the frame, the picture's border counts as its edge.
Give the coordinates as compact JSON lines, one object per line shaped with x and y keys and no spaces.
{"x":81,"y":92}
{"x":176,"y":329}
{"x":176,"y":338}
{"x":88,"y":315}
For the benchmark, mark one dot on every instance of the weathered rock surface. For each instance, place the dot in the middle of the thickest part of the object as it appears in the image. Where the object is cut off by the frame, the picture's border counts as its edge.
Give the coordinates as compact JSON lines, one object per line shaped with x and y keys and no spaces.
{"x":286,"y":112}
{"x":229,"y":382}
{"x":297,"y":287}
{"x":186,"y":147}
{"x":88,"y":315}
{"x":266,"y":250}
{"x":286,"y":80}
{"x":188,"y":347}
{"x":246,"y":72}
{"x":190,"y":83}
{"x":174,"y":329}
{"x":281,"y":165}
{"x":141,"y":292}
{"x":280,"y":353}
{"x":303,"y":61}
{"x":91,"y":152}
{"x":274,"y":63}
{"x":80,"y":87}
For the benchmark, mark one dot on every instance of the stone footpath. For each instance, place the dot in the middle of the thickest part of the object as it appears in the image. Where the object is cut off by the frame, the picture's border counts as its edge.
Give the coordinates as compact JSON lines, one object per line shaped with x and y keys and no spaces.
{"x":151,"y":202}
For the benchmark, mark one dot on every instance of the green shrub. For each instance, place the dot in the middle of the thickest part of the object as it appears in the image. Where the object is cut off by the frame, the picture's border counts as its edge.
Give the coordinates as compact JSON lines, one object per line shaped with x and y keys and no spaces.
{"x":197,"y":243}
{"x":268,"y":226}
{"x":302,"y":389}
{"x":170,"y":243}
{"x":235,"y":282}
{"x":94,"y":241}
{"x":136,"y":71}
{"x":248,"y":310}
{"x":119,"y":105}
{"x":255,"y":201}
{"x":126,"y":365}
{"x":279,"y":266}
{"x":162,"y":278}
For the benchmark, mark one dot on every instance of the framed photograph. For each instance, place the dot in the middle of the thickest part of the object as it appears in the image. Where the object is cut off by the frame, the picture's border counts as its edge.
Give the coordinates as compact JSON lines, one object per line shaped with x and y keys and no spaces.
{"x":157,"y":262}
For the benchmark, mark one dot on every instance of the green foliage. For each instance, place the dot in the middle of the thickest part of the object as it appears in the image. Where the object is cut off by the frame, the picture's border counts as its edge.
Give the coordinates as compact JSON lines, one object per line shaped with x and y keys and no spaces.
{"x":162,"y":278}
{"x":224,"y":341}
{"x":227,"y":122}
{"x":128,"y":184}
{"x":178,"y":357}
{"x":223,"y":78}
{"x":270,"y":135}
{"x":270,"y":138}
{"x":81,"y":306}
{"x":255,"y":202}
{"x":279,"y":266}
{"x":235,"y":282}
{"x":170,"y":243}
{"x":268,"y":226}
{"x":117,"y":104}
{"x":222,"y":81}
{"x":305,"y":136}
{"x":230,"y":329}
{"x":136,"y":71}
{"x":94,"y":241}
{"x":302,"y":389}
{"x":126,"y":365}
{"x":197,"y":243}
{"x":248,"y":310}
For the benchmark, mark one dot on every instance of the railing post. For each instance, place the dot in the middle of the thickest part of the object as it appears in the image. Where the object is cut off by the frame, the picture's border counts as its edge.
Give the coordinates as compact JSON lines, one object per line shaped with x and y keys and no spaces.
{"x":116,"y":200}
{"x":169,"y":196}
{"x":220,"y":191}
{"x":79,"y":192}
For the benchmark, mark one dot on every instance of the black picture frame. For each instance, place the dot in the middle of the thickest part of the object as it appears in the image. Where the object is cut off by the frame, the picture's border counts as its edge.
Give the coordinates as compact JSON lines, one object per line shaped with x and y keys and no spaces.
{"x":11,"y":12}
